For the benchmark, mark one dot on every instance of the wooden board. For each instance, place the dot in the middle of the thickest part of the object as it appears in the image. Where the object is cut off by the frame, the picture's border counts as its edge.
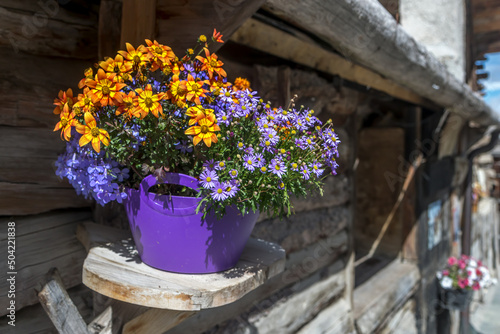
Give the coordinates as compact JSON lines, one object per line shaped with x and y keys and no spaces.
{"x":180,"y":22}
{"x":124,"y":277}
{"x":387,"y":290}
{"x":271,"y":40}
{"x":42,"y":242}
{"x":364,"y":32}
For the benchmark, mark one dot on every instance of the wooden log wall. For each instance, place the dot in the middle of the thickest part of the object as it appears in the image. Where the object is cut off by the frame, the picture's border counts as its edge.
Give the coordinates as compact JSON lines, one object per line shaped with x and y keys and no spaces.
{"x":44,"y":48}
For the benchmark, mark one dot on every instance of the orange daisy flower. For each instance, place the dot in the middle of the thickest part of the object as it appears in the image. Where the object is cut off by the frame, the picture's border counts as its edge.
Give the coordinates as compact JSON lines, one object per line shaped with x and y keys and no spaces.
{"x":84,"y":103}
{"x":161,"y":55}
{"x":65,"y":123}
{"x":136,"y":57}
{"x":241,"y":84}
{"x":178,"y":89}
{"x":91,"y":133}
{"x":198,"y":112}
{"x":128,"y":105}
{"x":89,"y":74}
{"x":148,"y":102}
{"x":104,"y":89}
{"x":117,"y":66}
{"x":63,"y":98}
{"x":211,"y":64}
{"x":204,"y":131}
{"x":194,"y":90}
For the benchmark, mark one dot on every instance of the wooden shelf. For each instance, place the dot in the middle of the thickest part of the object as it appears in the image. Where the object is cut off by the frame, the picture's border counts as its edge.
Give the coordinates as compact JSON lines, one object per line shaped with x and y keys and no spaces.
{"x":115,"y":270}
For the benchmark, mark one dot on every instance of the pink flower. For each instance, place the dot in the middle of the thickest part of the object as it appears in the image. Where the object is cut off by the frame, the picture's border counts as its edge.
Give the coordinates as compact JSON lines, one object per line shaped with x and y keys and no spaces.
{"x":463,"y":283}
{"x":446,"y":272}
{"x":452,"y":261}
{"x":461,"y":264}
{"x":475,"y":286}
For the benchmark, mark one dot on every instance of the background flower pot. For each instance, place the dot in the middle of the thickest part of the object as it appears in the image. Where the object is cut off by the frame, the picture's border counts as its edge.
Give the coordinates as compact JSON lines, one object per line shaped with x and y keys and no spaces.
{"x":454,"y":299}
{"x":171,"y":236}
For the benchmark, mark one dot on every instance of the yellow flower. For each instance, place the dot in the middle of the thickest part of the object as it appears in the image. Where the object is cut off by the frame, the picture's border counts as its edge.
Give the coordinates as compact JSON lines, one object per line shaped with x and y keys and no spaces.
{"x":89,"y":74}
{"x":204,"y":131}
{"x":211,"y":64}
{"x":135,"y":57}
{"x":194,"y":90}
{"x":65,"y":123}
{"x":148,"y":102}
{"x":91,"y":133}
{"x":178,"y":89}
{"x":241,"y":84}
{"x":128,"y":105}
{"x":198,"y":112}
{"x":64,"y":98}
{"x":84,"y":102}
{"x":117,"y":66}
{"x":105,"y":89}
{"x":161,"y":55}
{"x":203,"y":38}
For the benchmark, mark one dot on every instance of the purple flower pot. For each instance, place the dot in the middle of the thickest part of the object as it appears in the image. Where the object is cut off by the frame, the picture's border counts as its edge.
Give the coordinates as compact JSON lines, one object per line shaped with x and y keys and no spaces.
{"x":171,"y":236}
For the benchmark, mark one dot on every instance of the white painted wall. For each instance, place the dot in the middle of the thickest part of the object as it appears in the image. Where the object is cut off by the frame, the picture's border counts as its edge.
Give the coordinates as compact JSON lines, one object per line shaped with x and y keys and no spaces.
{"x":440,"y":26}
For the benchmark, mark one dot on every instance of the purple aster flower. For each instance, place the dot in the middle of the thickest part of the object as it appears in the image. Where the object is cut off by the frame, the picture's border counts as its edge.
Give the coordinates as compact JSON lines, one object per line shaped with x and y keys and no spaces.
{"x":281,"y":185}
{"x":240,"y":146}
{"x":277,"y":167}
{"x":249,"y":162}
{"x":306,"y":173}
{"x":299,"y":142}
{"x":294,"y":166}
{"x":224,"y":118}
{"x":308,"y":142}
{"x":263,"y":169}
{"x":226,"y":95}
{"x":233,"y":173}
{"x":209,"y":164}
{"x":219,"y":192}
{"x":316,"y":168}
{"x":220,"y":165}
{"x":231,"y":188}
{"x":259,"y":157}
{"x":208,"y":178}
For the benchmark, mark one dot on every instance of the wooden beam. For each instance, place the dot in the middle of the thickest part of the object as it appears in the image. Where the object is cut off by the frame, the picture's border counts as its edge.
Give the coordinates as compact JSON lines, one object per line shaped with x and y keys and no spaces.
{"x":483,"y":75}
{"x":156,"y":321}
{"x":138,"y":21}
{"x":265,"y":38}
{"x":109,"y":31}
{"x":61,"y":310}
{"x":366,"y":33}
{"x":181,"y":22}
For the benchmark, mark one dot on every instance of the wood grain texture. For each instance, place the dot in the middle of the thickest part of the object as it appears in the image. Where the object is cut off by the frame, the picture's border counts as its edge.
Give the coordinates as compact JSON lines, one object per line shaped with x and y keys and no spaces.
{"x":364,"y":32}
{"x":180,"y":22}
{"x":382,"y":293}
{"x":268,"y":39}
{"x":156,"y":321}
{"x":138,"y":21}
{"x":61,"y":310}
{"x":43,"y":242}
{"x":116,"y":271}
{"x":110,"y":25}
{"x":46,"y":28}
{"x":103,"y":323}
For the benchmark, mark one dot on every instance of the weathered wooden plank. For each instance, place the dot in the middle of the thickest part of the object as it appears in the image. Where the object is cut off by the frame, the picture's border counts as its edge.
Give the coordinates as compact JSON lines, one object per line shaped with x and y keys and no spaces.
{"x":403,"y":321}
{"x":103,"y":323}
{"x":34,"y":320}
{"x":44,"y":28}
{"x":200,"y":17}
{"x":109,"y":31}
{"x":156,"y":321}
{"x":116,"y":271}
{"x":278,"y":43}
{"x":366,"y":33}
{"x":42,"y":242}
{"x":382,"y":293}
{"x":91,"y":234}
{"x":138,"y":21}
{"x":335,"y":319}
{"x":61,"y":310}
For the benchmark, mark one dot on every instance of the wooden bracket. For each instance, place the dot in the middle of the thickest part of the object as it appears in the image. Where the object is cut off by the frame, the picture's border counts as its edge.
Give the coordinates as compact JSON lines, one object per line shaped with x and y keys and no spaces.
{"x":63,"y":312}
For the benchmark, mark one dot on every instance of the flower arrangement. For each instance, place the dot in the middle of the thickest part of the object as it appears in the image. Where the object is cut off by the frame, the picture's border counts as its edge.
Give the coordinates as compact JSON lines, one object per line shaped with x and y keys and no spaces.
{"x":147,"y":111}
{"x":464,"y":273}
